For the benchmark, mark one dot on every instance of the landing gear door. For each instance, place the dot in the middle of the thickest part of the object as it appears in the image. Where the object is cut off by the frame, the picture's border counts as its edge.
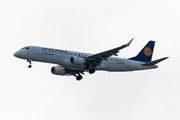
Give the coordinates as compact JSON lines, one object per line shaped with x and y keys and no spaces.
{"x":37,"y":50}
{"x":127,"y":63}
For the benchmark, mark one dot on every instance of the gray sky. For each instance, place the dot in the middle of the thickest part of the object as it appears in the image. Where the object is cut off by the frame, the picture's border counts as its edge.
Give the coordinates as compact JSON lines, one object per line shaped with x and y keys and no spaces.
{"x":89,"y":26}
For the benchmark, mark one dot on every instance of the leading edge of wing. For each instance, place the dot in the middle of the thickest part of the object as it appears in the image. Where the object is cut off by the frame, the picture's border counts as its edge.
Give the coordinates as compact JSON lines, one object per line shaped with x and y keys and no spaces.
{"x":104,"y":55}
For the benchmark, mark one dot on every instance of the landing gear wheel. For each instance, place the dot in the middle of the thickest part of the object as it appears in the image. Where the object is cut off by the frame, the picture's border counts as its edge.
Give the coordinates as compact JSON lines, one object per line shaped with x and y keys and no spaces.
{"x":91,"y":71}
{"x":29,"y":66}
{"x":79,"y":77}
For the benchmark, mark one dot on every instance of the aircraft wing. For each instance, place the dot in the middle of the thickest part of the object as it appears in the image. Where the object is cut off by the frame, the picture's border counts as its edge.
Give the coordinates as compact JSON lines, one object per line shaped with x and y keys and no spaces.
{"x":96,"y":59}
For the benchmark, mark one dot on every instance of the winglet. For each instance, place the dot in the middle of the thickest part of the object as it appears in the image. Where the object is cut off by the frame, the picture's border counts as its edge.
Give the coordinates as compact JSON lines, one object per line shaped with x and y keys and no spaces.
{"x":130,"y":42}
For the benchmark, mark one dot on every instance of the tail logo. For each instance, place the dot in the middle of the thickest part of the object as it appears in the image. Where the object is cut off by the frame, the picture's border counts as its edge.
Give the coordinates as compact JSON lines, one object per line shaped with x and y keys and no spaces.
{"x":147,"y":51}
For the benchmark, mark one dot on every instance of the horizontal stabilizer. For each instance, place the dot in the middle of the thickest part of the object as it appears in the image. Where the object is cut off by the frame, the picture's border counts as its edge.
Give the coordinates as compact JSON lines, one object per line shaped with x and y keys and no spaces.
{"x":154,"y":62}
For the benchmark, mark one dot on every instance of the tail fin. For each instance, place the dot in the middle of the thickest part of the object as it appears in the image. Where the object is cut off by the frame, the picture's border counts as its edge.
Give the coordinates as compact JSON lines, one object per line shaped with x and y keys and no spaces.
{"x":145,"y":55}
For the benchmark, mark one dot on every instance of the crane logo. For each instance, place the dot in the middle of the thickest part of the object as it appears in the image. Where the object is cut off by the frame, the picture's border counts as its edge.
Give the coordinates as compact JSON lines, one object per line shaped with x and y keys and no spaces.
{"x":147,"y":51}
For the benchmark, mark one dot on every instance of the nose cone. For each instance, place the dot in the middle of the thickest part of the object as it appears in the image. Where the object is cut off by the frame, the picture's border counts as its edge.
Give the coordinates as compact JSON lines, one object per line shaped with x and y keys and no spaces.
{"x":16,"y":54}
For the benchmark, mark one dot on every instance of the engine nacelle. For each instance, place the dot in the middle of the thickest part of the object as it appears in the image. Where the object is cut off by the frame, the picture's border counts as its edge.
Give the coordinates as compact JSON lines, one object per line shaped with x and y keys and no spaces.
{"x":58,"y":70}
{"x":77,"y":61}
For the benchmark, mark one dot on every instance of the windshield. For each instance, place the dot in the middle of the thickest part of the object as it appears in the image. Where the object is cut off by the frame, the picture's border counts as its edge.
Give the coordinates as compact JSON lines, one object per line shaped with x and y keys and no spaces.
{"x":25,"y":48}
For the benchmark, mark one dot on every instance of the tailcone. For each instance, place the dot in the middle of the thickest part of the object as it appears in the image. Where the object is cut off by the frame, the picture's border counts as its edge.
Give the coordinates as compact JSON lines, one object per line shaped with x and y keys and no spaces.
{"x":155,"y":66}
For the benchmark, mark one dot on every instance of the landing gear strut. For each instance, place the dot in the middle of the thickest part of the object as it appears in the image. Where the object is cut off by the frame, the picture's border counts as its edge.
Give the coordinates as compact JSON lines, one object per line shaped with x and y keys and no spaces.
{"x":29,"y":63}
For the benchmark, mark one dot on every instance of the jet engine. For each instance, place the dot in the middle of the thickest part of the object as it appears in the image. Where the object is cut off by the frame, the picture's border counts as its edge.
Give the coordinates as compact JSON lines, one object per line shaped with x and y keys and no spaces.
{"x":77,"y":61}
{"x":58,"y":70}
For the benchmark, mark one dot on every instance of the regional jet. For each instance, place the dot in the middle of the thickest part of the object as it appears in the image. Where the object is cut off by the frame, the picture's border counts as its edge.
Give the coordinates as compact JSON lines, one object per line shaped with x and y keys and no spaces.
{"x":76,"y":63}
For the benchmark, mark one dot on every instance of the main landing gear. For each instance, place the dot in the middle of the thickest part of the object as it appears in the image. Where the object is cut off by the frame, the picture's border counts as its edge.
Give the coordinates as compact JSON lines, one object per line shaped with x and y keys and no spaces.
{"x":29,"y":60}
{"x":79,"y":77}
{"x":92,"y":70}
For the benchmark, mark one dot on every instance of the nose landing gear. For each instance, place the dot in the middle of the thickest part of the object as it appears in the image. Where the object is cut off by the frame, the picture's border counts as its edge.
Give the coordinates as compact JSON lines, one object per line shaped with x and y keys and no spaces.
{"x":29,"y":60}
{"x":29,"y":66}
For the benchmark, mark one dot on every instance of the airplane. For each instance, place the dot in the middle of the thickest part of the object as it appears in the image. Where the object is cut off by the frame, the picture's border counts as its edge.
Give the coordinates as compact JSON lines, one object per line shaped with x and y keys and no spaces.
{"x":76,"y":63}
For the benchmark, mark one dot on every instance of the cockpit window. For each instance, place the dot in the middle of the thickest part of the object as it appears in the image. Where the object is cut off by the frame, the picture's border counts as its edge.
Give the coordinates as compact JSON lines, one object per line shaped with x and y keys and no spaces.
{"x":25,"y":48}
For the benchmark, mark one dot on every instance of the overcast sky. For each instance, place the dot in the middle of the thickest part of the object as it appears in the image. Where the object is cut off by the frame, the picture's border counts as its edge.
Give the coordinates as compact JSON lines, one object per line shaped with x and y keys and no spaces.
{"x":89,"y":26}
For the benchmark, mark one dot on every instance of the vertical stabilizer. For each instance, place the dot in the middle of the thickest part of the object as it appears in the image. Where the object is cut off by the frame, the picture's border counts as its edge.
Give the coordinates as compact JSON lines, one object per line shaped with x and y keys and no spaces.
{"x":145,"y":55}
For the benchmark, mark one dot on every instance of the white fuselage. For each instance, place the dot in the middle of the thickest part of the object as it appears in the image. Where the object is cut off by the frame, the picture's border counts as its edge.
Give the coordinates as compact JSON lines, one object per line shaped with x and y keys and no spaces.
{"x":62,"y":58}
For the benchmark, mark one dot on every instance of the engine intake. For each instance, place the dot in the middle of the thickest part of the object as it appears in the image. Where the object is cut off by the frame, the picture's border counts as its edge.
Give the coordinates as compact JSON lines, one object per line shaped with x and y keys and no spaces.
{"x":58,"y":70}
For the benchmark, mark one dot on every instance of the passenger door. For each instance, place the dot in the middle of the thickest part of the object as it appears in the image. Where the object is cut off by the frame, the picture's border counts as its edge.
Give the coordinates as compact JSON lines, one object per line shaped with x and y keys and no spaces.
{"x":37,"y":50}
{"x":127,"y":63}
